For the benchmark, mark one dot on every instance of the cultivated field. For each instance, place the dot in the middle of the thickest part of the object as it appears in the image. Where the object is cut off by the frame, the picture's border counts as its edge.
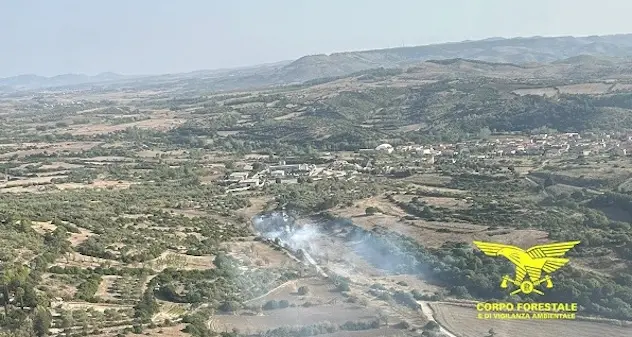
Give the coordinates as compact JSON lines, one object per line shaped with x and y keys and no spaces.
{"x":298,"y":316}
{"x":463,"y":322}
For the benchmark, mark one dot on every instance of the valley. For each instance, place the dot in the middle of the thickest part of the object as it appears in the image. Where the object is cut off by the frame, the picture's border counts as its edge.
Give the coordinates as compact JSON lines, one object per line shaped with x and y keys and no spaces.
{"x":336,"y":206}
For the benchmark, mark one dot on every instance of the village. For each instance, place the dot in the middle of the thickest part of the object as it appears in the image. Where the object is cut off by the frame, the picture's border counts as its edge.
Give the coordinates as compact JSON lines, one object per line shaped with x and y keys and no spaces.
{"x":346,"y":164}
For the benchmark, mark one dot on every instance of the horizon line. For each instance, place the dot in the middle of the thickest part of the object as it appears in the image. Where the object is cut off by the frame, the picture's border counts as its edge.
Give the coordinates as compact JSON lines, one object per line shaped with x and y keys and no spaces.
{"x":316,"y":54}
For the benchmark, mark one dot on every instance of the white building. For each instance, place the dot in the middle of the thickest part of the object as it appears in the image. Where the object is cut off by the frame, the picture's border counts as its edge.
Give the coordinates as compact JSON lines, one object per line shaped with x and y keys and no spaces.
{"x":238,"y":175}
{"x":249,"y":183}
{"x":385,"y":147}
{"x":277,"y":173}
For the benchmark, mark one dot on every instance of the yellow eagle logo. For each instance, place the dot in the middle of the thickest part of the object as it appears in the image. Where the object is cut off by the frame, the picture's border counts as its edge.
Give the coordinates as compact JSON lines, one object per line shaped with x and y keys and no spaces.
{"x":532,"y":262}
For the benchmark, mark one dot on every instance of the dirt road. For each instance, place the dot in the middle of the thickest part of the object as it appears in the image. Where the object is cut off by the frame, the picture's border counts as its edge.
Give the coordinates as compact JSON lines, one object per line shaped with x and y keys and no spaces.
{"x":271,"y":291}
{"x":429,"y":313}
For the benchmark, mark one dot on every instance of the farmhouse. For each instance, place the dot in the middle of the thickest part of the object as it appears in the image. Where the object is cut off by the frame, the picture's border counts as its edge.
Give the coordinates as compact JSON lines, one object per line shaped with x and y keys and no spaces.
{"x":294,"y":169}
{"x":277,"y":173}
{"x":249,"y":183}
{"x":238,"y":176}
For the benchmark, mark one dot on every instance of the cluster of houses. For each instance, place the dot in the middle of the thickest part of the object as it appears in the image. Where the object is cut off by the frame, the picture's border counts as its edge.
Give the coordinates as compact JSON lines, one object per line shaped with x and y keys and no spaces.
{"x":248,"y":178}
{"x":541,"y":144}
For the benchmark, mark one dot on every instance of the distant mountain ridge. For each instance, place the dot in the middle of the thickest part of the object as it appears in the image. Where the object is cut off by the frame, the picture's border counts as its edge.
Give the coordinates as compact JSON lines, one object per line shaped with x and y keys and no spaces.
{"x":495,"y":50}
{"x":30,"y":81}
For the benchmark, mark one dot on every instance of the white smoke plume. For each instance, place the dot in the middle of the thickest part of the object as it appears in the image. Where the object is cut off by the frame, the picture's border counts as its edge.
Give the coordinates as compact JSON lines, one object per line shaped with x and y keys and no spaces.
{"x":339,"y":240}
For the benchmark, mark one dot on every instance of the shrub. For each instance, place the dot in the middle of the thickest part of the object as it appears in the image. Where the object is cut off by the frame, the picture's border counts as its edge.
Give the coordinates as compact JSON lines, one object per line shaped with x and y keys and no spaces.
{"x":403,"y":325}
{"x":229,"y":306}
{"x":343,"y":286}
{"x":431,"y":326}
{"x":371,"y":210}
{"x":271,"y":305}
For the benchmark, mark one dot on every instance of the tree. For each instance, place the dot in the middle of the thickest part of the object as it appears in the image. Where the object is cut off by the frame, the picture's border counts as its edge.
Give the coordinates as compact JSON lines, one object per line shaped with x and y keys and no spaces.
{"x":42,"y":321}
{"x":382,"y":317}
{"x":147,"y":306}
{"x":229,"y":306}
{"x":271,"y":305}
{"x":484,"y":133}
{"x":577,"y":195}
{"x":67,"y":320}
{"x":12,"y":279}
{"x":461,"y":291}
{"x":19,"y":294}
{"x":403,"y":325}
{"x":303,"y":290}
{"x":343,"y":286}
{"x":371,"y":210}
{"x":432,"y":325}
{"x":137,"y":328}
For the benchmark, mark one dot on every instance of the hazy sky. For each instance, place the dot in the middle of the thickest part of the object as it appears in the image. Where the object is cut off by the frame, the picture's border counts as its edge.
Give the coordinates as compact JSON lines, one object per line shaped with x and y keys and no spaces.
{"x":50,"y":37}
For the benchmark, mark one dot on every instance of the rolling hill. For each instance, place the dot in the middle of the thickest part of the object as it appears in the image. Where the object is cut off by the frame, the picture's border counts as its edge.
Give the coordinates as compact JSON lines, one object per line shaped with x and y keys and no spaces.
{"x":437,"y":99}
{"x":495,"y":50}
{"x":498,"y":50}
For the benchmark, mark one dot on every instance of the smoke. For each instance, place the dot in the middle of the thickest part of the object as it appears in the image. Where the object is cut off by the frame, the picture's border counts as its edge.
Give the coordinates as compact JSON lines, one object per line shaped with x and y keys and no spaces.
{"x":338,"y":241}
{"x":283,"y":228}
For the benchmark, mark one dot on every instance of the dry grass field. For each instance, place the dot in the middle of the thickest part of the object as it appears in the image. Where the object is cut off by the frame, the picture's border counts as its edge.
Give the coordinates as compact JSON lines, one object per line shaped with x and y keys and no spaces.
{"x":96,"y":184}
{"x":258,"y":254}
{"x":382,"y":332}
{"x":171,"y":259}
{"x":585,"y":88}
{"x":78,"y":238}
{"x":43,"y":227}
{"x":270,"y":319}
{"x":537,"y":91}
{"x":29,"y":182}
{"x":58,"y":287}
{"x":436,"y":233}
{"x":622,"y":87}
{"x":427,"y":234}
{"x":104,"y":290}
{"x":25,"y":149}
{"x":320,"y":292}
{"x":446,"y":202}
{"x":407,"y":282}
{"x":380,"y":202}
{"x":83,"y":261}
{"x":78,"y":305}
{"x":463,"y":322}
{"x":576,"y":89}
{"x":157,"y":122}
{"x":170,"y":331}
{"x":257,"y":205}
